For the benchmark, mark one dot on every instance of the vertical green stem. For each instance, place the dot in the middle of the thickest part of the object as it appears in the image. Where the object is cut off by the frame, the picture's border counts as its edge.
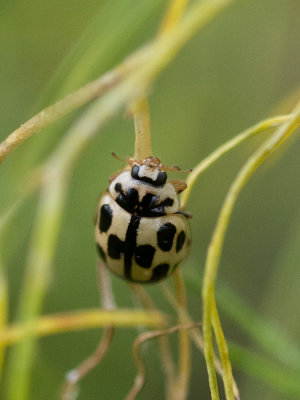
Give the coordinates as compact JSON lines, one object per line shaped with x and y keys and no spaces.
{"x":37,"y":278}
{"x":184,"y":372}
{"x":142,"y":125}
{"x":216,"y":245}
{"x":208,"y":346}
{"x":223,"y":350}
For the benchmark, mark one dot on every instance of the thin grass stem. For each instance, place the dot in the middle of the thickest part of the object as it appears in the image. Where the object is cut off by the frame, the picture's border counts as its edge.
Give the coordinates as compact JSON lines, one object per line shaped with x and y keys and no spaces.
{"x":139,"y":70}
{"x":141,"y":374}
{"x":74,"y":376}
{"x":141,"y":115}
{"x":140,"y":106}
{"x":165,"y":352}
{"x":78,"y":320}
{"x":37,"y":276}
{"x":195,"y":334}
{"x":172,"y":15}
{"x":61,"y":108}
{"x":184,"y":371}
{"x":142,"y":125}
{"x":215,"y":247}
{"x":223,"y":352}
{"x":226,"y":147}
{"x":153,"y":59}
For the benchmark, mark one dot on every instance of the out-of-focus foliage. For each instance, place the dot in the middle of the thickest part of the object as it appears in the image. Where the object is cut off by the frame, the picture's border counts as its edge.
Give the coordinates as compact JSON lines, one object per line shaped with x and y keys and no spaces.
{"x":243,"y":67}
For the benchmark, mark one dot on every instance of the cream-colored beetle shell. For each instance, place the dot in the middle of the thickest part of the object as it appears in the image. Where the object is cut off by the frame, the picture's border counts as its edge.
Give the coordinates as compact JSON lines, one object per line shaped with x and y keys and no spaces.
{"x":140,"y":249}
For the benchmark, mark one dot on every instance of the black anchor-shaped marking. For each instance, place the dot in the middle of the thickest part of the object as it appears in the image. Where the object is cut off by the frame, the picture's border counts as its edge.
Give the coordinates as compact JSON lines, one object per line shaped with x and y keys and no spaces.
{"x":143,"y":254}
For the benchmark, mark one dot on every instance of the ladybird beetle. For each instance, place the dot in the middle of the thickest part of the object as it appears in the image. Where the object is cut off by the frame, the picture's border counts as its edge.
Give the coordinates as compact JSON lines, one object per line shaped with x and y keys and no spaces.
{"x":141,"y":233}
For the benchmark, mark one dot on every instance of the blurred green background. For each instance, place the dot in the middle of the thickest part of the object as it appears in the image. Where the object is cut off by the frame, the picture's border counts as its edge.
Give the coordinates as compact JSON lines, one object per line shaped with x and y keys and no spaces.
{"x":243,"y":67}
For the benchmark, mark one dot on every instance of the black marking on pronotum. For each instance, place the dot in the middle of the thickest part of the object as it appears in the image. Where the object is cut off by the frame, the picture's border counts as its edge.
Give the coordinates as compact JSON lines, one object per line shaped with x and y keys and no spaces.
{"x":144,"y":255}
{"x":180,"y":241}
{"x":159,"y":181}
{"x":167,"y":202}
{"x":160,"y":207}
{"x":149,"y":206}
{"x":130,"y":244}
{"x":160,"y":272}
{"x":165,"y":236}
{"x":129,"y":200}
{"x":105,"y":218}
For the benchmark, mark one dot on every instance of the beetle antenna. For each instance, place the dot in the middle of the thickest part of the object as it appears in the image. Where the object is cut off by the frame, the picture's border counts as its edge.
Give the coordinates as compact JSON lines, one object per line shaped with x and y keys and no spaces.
{"x":175,"y":168}
{"x":116,"y":157}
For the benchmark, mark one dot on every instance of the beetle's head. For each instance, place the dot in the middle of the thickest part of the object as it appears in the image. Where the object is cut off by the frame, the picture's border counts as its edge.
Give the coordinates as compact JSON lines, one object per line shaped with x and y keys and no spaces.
{"x":150,"y":170}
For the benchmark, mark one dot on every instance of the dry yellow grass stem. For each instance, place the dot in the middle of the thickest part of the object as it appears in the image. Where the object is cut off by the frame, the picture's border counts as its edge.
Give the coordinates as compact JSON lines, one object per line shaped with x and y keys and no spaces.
{"x":77,"y":320}
{"x":144,"y":66}
{"x":180,"y":392}
{"x":195,"y":334}
{"x":140,"y":106}
{"x":137,"y":72}
{"x":108,"y":303}
{"x":210,"y":314}
{"x":61,"y":108}
{"x":70,"y":387}
{"x":227,"y":146}
{"x":140,"y":378}
{"x":141,"y":115}
{"x":165,"y":352}
{"x":182,"y":384}
{"x":142,"y":125}
{"x":173,"y":15}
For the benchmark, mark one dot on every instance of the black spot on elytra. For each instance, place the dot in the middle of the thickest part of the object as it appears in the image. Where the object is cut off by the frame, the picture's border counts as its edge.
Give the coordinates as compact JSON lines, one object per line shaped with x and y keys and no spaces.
{"x":144,"y":255}
{"x":101,"y":252}
{"x":180,"y":241}
{"x":165,"y":236}
{"x":130,"y":244}
{"x":160,"y":272}
{"x":115,"y":247}
{"x":105,"y":218}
